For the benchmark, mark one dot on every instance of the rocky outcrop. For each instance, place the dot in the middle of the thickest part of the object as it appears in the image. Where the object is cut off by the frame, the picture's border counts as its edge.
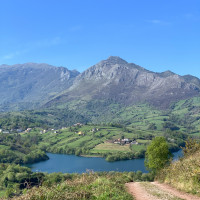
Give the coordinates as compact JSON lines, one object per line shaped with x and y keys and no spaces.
{"x":127,"y":83}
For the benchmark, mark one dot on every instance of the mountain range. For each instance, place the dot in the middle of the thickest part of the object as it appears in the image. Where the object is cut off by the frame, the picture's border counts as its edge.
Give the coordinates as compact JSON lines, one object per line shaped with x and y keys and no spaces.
{"x":125,"y":83}
{"x":31,"y":85}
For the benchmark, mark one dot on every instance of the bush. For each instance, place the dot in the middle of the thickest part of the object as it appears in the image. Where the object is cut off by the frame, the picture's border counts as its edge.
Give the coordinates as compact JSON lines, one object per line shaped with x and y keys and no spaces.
{"x":86,"y":186}
{"x":191,"y":147}
{"x":157,"y":154}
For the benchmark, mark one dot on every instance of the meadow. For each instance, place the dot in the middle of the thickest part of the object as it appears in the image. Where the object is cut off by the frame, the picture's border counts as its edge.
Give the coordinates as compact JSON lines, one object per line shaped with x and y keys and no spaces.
{"x":102,"y":140}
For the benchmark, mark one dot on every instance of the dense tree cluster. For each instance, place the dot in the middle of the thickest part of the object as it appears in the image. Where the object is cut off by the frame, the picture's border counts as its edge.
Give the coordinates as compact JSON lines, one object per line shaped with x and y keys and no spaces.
{"x":20,"y":150}
{"x":14,"y":178}
{"x":50,"y":118}
{"x":124,"y":156}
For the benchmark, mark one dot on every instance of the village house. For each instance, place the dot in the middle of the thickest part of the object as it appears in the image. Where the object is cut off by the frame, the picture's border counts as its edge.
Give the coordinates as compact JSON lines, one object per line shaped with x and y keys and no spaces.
{"x":28,"y":130}
{"x":94,"y":130}
{"x":43,"y":131}
{"x":80,"y":133}
{"x":124,"y":141}
{"x":134,"y":142}
{"x":6,"y":132}
{"x":63,"y":127}
{"x":78,"y":124}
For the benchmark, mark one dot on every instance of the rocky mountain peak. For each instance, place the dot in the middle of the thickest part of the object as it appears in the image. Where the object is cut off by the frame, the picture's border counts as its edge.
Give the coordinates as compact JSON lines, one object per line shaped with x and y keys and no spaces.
{"x":115,"y":60}
{"x":112,"y":79}
{"x":116,"y":80}
{"x":167,"y":73}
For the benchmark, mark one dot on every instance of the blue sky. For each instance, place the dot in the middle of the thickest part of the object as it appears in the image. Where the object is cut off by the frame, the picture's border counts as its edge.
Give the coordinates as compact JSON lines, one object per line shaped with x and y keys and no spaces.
{"x":156,"y":34}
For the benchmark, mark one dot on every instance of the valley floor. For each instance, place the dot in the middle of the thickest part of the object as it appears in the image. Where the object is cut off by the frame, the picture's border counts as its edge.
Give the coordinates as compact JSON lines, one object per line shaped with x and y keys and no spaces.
{"x":157,"y":191}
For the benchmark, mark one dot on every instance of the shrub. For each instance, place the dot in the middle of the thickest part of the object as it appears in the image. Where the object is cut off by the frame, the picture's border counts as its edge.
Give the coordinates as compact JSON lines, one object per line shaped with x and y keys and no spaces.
{"x":157,"y":154}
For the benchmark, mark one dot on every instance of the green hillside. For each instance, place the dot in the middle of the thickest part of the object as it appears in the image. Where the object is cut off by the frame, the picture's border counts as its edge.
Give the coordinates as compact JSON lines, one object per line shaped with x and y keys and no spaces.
{"x":184,"y":173}
{"x":183,"y":116}
{"x":18,"y":149}
{"x":138,"y":123}
{"x":114,"y":142}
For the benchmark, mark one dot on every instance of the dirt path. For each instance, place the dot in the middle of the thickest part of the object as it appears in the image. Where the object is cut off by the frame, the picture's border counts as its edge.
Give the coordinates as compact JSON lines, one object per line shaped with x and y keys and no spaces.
{"x":139,"y":192}
{"x":157,"y":191}
{"x":175,"y":192}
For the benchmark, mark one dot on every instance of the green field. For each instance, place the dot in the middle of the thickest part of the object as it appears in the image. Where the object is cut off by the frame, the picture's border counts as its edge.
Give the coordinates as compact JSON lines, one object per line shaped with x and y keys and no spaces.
{"x":91,"y":143}
{"x":184,"y":114}
{"x":112,"y":121}
{"x":2,"y":193}
{"x":81,"y":140}
{"x":110,"y":147}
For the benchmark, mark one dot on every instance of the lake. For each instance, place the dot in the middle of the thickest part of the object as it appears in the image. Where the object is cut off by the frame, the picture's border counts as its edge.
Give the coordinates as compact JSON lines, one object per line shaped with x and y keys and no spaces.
{"x":75,"y":164}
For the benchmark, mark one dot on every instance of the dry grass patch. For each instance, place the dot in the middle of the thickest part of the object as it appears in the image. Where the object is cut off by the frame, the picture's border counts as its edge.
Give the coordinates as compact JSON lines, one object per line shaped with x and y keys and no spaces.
{"x":106,"y":146}
{"x":183,"y":174}
{"x":84,"y":187}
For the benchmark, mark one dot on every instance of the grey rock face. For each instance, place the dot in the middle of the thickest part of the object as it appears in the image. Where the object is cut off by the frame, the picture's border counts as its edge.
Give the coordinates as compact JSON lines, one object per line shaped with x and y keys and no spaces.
{"x":32,"y":83}
{"x":127,"y":83}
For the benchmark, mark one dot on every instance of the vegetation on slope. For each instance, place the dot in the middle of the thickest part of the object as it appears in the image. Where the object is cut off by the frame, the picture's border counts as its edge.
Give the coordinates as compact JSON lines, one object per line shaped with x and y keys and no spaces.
{"x":14,"y":178}
{"x":82,"y":187}
{"x":184,"y":174}
{"x":106,"y":141}
{"x":187,"y":113}
{"x":183,"y":116}
{"x":93,"y":140}
{"x":16,"y":181}
{"x":15,"y":148}
{"x":157,"y":155}
{"x":51,"y":118}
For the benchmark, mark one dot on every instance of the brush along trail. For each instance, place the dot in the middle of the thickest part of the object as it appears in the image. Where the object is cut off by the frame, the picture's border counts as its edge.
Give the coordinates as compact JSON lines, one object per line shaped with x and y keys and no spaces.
{"x":157,"y":191}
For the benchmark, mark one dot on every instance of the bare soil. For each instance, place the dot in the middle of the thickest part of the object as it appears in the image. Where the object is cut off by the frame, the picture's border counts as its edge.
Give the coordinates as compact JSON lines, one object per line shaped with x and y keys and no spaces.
{"x":138,"y":192}
{"x":157,"y":191}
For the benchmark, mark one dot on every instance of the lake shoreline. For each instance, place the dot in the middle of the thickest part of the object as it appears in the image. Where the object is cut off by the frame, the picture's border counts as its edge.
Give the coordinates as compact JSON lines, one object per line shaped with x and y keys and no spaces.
{"x":101,"y":156}
{"x":78,"y":164}
{"x":91,"y":156}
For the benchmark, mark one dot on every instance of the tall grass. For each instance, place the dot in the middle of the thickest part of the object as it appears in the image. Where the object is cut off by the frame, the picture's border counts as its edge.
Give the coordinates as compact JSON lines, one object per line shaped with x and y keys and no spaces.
{"x":184,"y":174}
{"x":86,"y":186}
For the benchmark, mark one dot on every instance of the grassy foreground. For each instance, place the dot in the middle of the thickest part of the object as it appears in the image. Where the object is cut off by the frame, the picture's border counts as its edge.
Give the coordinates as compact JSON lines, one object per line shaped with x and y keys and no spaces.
{"x":87,"y":186}
{"x":184,"y":174}
{"x":19,"y":183}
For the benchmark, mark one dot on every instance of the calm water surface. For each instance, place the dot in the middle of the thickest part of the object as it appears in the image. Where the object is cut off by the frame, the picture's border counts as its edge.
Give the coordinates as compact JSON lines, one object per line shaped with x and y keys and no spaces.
{"x":76,"y":164}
